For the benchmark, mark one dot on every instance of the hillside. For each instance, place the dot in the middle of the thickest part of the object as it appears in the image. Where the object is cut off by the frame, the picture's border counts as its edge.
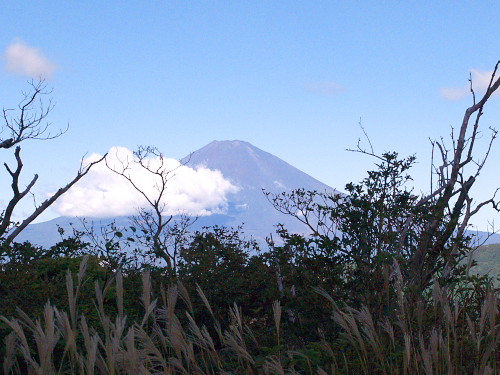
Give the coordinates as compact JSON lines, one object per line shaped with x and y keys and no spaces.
{"x":488,"y":260}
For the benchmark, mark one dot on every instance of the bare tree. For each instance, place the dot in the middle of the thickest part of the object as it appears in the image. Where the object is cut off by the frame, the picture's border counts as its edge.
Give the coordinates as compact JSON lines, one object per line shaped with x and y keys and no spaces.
{"x":28,"y":122}
{"x":457,"y":171}
{"x":157,"y":231}
{"x":382,"y":216}
{"x":31,"y":121}
{"x":450,"y":203}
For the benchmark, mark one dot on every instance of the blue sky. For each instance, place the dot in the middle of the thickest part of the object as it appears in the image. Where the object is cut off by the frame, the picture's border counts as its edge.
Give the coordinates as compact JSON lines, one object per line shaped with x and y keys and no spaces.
{"x":291,"y":77}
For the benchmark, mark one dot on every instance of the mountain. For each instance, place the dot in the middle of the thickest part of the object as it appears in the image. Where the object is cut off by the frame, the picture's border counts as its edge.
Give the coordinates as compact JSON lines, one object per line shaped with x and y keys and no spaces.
{"x":246,"y":166}
{"x":252,"y":170}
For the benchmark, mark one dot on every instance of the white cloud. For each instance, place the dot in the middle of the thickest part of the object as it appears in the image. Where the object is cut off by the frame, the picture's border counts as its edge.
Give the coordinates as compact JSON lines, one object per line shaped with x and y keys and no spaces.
{"x":25,"y":60}
{"x":453,"y":93}
{"x":480,"y":82}
{"x":103,"y":193}
{"x":324,"y":88}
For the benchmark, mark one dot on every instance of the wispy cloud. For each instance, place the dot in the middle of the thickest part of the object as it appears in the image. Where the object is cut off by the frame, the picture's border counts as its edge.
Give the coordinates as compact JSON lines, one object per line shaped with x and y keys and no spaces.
{"x":25,"y":60}
{"x":103,"y":193}
{"x":480,"y":82}
{"x":323,"y":88}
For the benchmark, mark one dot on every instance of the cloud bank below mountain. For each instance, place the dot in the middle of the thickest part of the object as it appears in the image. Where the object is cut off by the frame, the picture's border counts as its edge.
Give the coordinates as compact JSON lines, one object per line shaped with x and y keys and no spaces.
{"x":103,"y":193}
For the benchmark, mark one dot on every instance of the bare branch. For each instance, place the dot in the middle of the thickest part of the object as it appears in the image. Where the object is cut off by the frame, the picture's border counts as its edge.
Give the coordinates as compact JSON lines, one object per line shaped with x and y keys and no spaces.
{"x":26,"y":122}
{"x":48,"y":202}
{"x":30,"y":122}
{"x":5,"y":221}
{"x":452,"y":198}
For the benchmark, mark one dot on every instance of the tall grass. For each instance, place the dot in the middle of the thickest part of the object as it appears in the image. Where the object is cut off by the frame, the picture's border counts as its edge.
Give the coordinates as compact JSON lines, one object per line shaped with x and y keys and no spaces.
{"x":437,"y":337}
{"x":161,"y":342}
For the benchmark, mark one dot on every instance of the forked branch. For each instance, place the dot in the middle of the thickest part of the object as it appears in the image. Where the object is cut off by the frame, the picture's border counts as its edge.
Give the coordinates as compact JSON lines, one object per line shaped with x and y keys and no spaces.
{"x":30,"y":123}
{"x":44,"y":205}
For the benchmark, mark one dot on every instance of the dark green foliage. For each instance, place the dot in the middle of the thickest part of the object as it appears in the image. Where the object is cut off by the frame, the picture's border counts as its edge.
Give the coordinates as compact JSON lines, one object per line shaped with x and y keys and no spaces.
{"x":356,"y":237}
{"x":229,"y":271}
{"x":218,"y":261}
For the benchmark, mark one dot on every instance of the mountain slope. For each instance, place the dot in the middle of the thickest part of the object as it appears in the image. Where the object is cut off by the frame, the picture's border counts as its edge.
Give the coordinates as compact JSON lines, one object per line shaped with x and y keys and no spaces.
{"x":252,"y":170}
{"x":251,"y":167}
